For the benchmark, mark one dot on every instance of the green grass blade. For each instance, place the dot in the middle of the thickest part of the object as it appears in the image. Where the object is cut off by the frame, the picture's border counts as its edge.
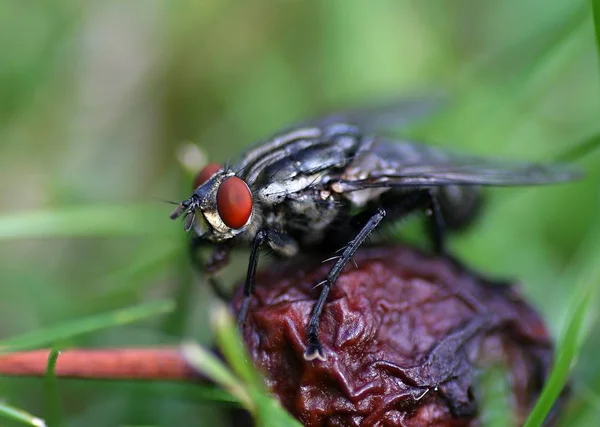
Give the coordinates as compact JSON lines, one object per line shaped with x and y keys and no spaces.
{"x":50,"y":335}
{"x":269,"y":412}
{"x":581,"y":149}
{"x":249,"y":388}
{"x":85,"y":221}
{"x":568,"y":349}
{"x":213,"y":394}
{"x":52,"y":402}
{"x":572,"y":335}
{"x":203,"y":361}
{"x":19,"y":415}
{"x":574,"y":330}
{"x":496,"y":409}
{"x":596,"y":16}
{"x":230,"y":343}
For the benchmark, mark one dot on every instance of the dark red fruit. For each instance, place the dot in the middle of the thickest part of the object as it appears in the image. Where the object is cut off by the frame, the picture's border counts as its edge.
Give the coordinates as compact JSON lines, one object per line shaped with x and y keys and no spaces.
{"x":405,"y":335}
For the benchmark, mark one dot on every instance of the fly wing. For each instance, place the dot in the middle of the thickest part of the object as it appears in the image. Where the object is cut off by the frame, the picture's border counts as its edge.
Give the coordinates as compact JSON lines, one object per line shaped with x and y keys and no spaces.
{"x":354,"y":122}
{"x":408,"y":164}
{"x":390,"y":115}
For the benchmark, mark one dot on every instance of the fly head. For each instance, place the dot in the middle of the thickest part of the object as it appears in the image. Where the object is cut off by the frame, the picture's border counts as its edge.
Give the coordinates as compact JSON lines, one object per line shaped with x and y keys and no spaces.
{"x":221,"y":206}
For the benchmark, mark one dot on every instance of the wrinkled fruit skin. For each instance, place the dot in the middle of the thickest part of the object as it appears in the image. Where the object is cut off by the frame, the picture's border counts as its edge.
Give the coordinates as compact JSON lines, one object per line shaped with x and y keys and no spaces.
{"x":404,"y":334}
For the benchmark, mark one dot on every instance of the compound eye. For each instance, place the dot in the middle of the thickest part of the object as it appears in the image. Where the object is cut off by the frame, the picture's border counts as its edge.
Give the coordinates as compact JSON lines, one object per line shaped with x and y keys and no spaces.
{"x":234,"y":202}
{"x":206,"y":173}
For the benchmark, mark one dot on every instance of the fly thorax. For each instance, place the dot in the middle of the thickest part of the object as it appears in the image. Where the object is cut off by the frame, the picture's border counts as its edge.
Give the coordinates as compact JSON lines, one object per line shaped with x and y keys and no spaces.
{"x":360,"y":198}
{"x":277,"y":191}
{"x":359,"y":170}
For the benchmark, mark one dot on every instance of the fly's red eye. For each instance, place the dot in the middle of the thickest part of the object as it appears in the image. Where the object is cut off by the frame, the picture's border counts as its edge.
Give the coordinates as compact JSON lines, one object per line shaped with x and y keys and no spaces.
{"x":206,"y":172}
{"x":234,"y":202}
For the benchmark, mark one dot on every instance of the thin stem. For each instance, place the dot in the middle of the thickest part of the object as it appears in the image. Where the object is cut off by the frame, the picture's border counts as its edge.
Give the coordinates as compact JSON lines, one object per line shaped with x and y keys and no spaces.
{"x":157,"y":364}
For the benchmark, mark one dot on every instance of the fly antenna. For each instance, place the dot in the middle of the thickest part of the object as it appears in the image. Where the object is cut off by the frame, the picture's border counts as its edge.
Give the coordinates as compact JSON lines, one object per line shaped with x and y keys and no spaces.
{"x":170,"y":202}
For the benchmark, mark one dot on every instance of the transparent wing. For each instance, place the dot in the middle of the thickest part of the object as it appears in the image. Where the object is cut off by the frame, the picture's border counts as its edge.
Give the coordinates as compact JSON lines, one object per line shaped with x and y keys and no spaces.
{"x":390,"y":115}
{"x":354,"y":121}
{"x":390,"y":164}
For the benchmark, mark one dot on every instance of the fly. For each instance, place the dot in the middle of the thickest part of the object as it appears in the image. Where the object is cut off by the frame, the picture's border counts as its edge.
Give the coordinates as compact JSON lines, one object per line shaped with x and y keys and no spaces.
{"x":329,"y":183}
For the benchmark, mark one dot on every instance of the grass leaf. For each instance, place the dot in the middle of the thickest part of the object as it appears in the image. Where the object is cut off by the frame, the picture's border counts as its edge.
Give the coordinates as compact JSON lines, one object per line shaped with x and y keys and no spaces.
{"x":231,"y":344}
{"x":271,"y":414}
{"x":203,"y":361}
{"x":212,"y":393}
{"x":19,"y":415}
{"x":85,"y":221}
{"x":495,"y":394}
{"x":581,"y":149}
{"x":52,"y":401}
{"x":596,"y":16}
{"x":250,"y":389}
{"x":568,"y":349}
{"x":50,"y":335}
{"x":572,"y":335}
{"x":268,"y":411}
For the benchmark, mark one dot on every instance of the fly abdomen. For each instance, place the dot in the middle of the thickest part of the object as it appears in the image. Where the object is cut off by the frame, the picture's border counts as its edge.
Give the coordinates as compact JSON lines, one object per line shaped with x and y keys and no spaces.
{"x":459,"y":205}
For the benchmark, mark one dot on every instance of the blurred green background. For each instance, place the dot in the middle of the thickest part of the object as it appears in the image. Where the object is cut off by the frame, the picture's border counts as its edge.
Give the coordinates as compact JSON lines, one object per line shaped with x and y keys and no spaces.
{"x":97,"y":99}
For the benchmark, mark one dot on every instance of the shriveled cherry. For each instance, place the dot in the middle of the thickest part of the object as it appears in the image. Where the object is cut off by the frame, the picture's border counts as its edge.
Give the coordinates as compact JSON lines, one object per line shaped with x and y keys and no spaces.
{"x":234,"y":202}
{"x":205,"y":173}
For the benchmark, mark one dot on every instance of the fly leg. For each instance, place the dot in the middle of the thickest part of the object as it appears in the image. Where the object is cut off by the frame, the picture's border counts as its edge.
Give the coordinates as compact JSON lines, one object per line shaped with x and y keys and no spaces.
{"x":402,"y":204}
{"x":280,"y":243}
{"x":315,"y":350}
{"x":394,"y":205}
{"x":259,"y":240}
{"x":218,"y":260}
{"x":437,"y":233}
{"x":436,"y":223}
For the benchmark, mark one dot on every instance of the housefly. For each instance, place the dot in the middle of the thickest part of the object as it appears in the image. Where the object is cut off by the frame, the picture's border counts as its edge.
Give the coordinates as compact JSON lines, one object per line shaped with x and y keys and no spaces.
{"x":329,"y":183}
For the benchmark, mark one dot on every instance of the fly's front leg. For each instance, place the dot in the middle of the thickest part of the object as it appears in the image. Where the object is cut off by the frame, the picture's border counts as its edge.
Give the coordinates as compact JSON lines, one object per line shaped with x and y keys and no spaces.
{"x":259,"y":239}
{"x":218,"y":259}
{"x":280,"y":243}
{"x":315,"y":350}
